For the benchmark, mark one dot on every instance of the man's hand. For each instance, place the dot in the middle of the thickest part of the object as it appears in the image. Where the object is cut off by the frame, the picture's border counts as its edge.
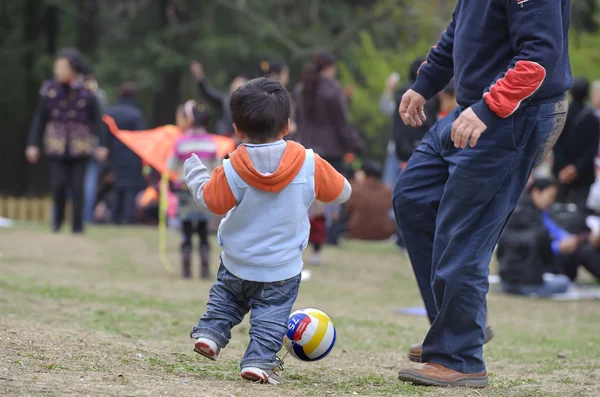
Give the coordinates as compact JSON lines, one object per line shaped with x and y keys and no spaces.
{"x":33,"y":154}
{"x":569,"y":245}
{"x":467,"y":126}
{"x":568,"y":174}
{"x":197,"y":70}
{"x":101,"y":154}
{"x":411,"y":109}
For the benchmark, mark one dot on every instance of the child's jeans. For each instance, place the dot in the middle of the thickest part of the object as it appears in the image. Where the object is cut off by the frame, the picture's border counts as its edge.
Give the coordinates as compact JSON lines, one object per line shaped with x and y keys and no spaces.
{"x":270,"y":305}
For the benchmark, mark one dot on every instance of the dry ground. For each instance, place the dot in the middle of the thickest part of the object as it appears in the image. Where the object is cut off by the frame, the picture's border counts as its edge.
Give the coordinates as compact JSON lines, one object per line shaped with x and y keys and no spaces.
{"x":98,"y":315}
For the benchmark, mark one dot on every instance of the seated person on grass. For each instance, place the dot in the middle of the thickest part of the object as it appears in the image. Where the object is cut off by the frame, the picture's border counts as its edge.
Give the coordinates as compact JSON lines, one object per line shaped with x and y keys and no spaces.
{"x":369,"y":209}
{"x":533,"y":243}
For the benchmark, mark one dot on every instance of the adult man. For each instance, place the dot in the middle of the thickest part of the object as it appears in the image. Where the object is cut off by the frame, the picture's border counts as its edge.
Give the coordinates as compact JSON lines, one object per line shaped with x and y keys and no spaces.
{"x":462,"y":183}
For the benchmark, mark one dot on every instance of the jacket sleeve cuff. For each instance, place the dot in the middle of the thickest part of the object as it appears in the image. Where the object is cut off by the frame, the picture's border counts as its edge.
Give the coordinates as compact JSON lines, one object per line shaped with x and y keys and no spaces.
{"x":423,"y":87}
{"x":484,"y":113}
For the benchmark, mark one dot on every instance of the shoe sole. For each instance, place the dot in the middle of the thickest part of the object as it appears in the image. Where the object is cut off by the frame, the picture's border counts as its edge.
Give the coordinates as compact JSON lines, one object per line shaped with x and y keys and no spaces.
{"x":474,"y":383}
{"x":256,"y":378}
{"x":205,"y":350}
{"x":489,"y":335}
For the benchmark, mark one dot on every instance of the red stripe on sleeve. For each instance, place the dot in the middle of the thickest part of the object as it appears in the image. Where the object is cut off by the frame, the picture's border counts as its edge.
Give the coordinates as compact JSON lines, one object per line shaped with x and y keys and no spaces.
{"x":518,"y":84}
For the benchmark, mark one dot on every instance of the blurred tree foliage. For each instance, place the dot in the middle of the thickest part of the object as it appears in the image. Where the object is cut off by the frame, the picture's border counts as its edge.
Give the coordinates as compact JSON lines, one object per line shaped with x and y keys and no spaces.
{"x":151,"y":42}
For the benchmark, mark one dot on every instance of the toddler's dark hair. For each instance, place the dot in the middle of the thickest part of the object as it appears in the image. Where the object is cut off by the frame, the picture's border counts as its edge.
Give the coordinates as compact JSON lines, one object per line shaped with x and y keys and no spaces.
{"x":542,"y":184}
{"x":261,"y":109}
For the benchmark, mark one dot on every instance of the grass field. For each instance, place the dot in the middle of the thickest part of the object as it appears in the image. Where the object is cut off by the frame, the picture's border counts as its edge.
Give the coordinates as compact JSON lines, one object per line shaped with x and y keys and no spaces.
{"x":98,"y":315}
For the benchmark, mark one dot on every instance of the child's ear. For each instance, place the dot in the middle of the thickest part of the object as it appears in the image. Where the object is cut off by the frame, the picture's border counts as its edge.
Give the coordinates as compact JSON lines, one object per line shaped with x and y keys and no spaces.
{"x":241,"y":136}
{"x":287,"y":129}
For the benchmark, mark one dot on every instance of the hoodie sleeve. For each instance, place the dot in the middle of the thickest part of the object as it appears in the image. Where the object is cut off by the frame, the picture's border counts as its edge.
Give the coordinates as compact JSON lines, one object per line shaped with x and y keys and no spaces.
{"x":437,"y":71}
{"x":330,"y":186}
{"x":537,"y":40}
{"x":211,"y":192}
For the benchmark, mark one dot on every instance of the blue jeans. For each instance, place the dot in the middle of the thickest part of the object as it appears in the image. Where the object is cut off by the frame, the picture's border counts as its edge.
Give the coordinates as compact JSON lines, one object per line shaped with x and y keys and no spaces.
{"x":451,"y":205}
{"x":559,"y":284}
{"x":91,"y":185}
{"x":270,"y":304}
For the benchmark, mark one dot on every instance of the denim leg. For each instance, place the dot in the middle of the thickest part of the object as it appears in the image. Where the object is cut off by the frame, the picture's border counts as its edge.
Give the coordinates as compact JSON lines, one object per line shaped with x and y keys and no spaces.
{"x":91,"y":186}
{"x":271,"y":308}
{"x":417,"y":196}
{"x":227,"y":305}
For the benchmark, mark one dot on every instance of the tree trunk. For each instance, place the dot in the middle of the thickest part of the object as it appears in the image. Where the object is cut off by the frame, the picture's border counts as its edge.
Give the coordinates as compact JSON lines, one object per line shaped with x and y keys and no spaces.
{"x":87,"y":26}
{"x":168,"y":94}
{"x":51,"y":28}
{"x":31,"y":34}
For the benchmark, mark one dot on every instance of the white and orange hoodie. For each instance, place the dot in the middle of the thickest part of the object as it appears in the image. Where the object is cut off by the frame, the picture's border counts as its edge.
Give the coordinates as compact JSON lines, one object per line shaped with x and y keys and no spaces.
{"x":266,"y":191}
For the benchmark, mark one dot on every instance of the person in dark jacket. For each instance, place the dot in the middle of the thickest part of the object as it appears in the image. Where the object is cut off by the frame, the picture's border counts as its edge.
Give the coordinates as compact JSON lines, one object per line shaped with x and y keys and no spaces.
{"x":525,"y":249}
{"x":322,"y":112}
{"x":126,"y":165}
{"x":576,"y":149}
{"x":216,"y":97}
{"x":510,"y":61}
{"x":69,"y":121}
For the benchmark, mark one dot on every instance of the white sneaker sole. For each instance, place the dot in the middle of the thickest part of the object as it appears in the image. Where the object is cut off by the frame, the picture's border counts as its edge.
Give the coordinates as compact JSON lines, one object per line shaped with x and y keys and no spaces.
{"x":205,"y":350}
{"x":258,"y":376}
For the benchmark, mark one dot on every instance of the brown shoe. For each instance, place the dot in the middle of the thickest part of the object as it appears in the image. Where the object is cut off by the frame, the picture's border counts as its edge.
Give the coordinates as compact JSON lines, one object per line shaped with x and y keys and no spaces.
{"x":432,"y":374}
{"x":414,"y":353}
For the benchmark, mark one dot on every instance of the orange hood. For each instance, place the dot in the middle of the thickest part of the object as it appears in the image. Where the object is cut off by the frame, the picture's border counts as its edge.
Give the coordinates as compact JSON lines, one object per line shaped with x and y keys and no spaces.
{"x":291,"y":163}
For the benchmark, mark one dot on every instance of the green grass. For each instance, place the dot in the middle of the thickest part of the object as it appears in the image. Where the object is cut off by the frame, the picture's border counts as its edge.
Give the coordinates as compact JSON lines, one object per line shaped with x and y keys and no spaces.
{"x":117,"y":321}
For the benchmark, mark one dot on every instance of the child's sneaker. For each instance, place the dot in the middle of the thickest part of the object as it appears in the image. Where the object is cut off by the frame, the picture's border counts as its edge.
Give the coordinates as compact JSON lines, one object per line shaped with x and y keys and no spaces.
{"x":207,"y":348}
{"x":254,"y":374}
{"x":259,"y":375}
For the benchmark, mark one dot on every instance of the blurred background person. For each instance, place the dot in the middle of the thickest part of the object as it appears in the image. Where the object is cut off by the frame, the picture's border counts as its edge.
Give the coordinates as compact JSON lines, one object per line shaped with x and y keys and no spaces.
{"x":576,"y":148}
{"x":388,"y":106}
{"x":193,"y":120}
{"x":68,"y":120}
{"x":275,"y":69}
{"x":125,"y":164}
{"x":322,"y":122}
{"x":322,"y":112}
{"x":216,"y":97}
{"x":595,"y":97}
{"x":447,"y":100}
{"x":526,"y":249}
{"x":369,"y":210}
{"x":94,"y":168}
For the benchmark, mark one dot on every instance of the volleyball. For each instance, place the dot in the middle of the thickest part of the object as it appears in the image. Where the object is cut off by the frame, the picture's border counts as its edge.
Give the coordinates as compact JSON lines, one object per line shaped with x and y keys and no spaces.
{"x":310,"y":336}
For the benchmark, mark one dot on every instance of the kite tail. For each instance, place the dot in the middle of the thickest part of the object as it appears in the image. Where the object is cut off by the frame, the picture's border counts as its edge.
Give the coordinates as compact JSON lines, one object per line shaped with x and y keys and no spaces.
{"x":162,"y":222}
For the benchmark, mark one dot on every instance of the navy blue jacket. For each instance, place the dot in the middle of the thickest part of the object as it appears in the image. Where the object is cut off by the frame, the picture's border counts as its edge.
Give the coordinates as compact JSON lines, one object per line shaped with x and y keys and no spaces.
{"x":126,"y":165}
{"x":504,"y":54}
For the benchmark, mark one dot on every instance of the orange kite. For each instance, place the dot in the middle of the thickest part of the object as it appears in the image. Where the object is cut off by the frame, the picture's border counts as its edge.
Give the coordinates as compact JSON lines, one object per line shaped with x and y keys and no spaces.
{"x":155,"y":146}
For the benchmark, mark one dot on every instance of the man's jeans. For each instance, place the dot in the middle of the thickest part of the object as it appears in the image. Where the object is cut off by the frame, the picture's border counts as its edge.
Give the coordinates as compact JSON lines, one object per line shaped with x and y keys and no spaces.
{"x":452,"y":205}
{"x":270,"y":304}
